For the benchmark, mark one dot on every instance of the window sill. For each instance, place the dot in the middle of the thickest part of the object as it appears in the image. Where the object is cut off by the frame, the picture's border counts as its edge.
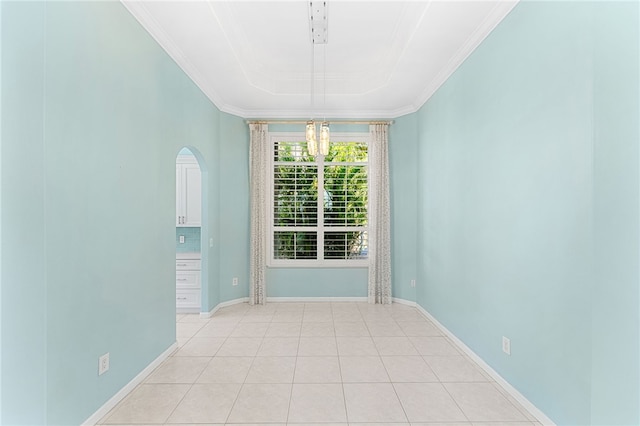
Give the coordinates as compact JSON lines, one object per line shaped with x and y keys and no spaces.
{"x":314,"y":264}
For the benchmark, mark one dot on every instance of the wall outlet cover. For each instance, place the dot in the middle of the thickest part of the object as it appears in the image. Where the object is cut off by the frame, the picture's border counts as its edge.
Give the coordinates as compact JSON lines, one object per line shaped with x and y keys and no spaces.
{"x":103,"y":364}
{"x":506,"y":345}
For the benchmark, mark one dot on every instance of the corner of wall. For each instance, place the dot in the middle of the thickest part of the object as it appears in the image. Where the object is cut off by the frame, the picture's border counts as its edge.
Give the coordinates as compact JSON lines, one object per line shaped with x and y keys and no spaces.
{"x":1,"y":191}
{"x":403,"y":168}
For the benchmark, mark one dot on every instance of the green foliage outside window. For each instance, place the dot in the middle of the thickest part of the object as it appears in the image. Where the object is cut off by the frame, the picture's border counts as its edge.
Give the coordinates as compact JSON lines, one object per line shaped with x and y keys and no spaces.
{"x":345,"y":201}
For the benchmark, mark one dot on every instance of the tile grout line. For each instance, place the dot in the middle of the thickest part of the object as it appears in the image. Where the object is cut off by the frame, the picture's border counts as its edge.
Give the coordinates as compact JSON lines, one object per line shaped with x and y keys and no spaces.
{"x":344,"y":393}
{"x":245,"y":377}
{"x":395,"y":391}
{"x":203,"y":370}
{"x":173,"y":356}
{"x":295,"y":366}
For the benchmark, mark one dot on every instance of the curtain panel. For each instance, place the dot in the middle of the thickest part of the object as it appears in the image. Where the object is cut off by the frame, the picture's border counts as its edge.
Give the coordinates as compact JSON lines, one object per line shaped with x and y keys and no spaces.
{"x":380,"y":231}
{"x":258,"y":152}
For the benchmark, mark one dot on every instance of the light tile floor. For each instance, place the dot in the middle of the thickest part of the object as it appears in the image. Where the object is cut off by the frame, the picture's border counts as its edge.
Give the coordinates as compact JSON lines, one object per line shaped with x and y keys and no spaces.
{"x":299,"y":363}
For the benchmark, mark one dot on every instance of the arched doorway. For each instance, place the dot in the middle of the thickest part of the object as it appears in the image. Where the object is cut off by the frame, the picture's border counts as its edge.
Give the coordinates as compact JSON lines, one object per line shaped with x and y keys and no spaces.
{"x":190,"y":231}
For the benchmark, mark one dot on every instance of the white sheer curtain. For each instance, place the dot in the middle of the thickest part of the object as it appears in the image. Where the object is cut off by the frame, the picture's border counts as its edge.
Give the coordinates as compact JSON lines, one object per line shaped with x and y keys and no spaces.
{"x":380,"y":229}
{"x":258,"y":152}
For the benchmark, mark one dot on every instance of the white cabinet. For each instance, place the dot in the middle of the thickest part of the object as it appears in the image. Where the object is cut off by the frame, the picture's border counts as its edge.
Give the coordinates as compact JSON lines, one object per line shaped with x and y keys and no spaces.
{"x":187,"y":302}
{"x":188,"y":191}
{"x":188,"y":288}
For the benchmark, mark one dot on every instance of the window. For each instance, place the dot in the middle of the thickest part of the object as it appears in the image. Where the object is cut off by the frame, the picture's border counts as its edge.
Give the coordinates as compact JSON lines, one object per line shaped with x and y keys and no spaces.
{"x":319,"y":209}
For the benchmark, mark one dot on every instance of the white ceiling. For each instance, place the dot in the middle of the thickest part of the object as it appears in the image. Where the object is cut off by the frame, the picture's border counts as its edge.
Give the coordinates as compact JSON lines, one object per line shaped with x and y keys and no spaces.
{"x":383,"y":58}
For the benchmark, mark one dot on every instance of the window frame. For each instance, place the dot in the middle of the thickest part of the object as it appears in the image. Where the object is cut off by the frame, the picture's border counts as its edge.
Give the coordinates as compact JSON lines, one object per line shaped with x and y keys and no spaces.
{"x":274,"y":137}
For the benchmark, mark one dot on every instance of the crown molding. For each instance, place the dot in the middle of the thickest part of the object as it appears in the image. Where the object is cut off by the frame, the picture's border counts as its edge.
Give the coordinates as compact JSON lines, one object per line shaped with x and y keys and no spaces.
{"x":146,"y":20}
{"x":491,"y":21}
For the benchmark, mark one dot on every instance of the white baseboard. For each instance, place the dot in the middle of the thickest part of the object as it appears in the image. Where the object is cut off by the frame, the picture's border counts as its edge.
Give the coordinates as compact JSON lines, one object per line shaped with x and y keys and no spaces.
{"x":180,"y":311}
{"x":283,"y":299}
{"x":316,"y":299}
{"x":403,"y":301}
{"x":113,"y":401}
{"x":522,"y":400}
{"x":223,"y":305}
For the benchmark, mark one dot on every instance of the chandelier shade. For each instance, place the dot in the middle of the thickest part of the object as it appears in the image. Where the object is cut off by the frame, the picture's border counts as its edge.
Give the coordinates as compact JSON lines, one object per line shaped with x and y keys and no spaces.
{"x":324,"y":138}
{"x":312,"y":144}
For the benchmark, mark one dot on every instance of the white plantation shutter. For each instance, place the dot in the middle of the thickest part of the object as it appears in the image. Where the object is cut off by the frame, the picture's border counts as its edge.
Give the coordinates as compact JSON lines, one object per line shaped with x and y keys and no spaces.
{"x":319,"y":208}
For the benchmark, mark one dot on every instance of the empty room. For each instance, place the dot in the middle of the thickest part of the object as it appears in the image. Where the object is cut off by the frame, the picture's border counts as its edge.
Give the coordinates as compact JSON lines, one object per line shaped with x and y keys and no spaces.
{"x":408,"y":213}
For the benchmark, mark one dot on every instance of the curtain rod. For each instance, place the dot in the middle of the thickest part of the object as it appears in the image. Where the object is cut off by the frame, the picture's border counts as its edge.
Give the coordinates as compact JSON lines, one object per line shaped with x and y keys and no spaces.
{"x":305,"y":121}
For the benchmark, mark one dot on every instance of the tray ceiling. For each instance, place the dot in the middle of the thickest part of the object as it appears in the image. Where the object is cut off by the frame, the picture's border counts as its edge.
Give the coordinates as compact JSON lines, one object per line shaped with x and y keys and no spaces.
{"x":383,"y":59}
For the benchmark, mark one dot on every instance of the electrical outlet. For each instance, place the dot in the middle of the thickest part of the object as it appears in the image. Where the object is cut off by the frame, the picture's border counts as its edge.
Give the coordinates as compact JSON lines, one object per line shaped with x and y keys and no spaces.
{"x":235,"y":281}
{"x":210,"y":242}
{"x":103,"y":364}
{"x":181,"y":239}
{"x":413,"y":283}
{"x":506,"y":345}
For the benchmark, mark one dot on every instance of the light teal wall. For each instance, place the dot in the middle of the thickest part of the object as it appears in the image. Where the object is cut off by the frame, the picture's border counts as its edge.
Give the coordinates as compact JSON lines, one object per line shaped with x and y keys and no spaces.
{"x":403,"y":171}
{"x":320,"y":282}
{"x":117,"y":110}
{"x":24,"y":286}
{"x":0,"y":212}
{"x":234,"y":208}
{"x":528,"y":206}
{"x":92,"y":121}
{"x":615,"y":381}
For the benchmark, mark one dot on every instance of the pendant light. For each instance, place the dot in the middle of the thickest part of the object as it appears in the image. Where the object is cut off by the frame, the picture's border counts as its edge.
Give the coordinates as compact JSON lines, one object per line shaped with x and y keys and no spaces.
{"x":319,"y":30}
{"x":324,"y":128}
{"x":312,"y":144}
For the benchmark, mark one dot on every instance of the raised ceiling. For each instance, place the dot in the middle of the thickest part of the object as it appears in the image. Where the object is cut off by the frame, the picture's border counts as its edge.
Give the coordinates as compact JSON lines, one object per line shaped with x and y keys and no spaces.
{"x":383,"y":58}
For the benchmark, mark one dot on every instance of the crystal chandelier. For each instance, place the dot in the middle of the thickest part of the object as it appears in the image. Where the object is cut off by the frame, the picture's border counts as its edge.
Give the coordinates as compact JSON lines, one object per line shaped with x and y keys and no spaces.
{"x":318,"y":24}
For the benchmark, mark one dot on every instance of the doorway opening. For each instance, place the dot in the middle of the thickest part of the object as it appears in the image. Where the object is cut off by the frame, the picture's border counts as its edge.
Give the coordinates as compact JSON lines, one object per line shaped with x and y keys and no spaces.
{"x":189,"y":231}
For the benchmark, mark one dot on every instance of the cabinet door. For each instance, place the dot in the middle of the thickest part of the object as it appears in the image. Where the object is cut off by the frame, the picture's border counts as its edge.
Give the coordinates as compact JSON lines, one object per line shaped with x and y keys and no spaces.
{"x":187,"y":279}
{"x":179,"y":194}
{"x":192,"y":195}
{"x":188,"y":299}
{"x":188,"y":264}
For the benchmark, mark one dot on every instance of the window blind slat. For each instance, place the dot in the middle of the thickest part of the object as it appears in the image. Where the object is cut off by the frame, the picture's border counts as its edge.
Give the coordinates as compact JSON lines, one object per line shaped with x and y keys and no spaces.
{"x":346,"y":196}
{"x":295,"y":245}
{"x":344,"y":192}
{"x":295,"y":195}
